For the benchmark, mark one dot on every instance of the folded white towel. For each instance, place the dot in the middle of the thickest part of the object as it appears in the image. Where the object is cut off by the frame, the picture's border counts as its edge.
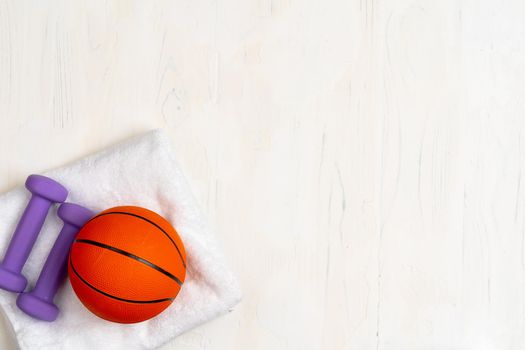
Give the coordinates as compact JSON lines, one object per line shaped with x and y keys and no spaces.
{"x":142,"y":172}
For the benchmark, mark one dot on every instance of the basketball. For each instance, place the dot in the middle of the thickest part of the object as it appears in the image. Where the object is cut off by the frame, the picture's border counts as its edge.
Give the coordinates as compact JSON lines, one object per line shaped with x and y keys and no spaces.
{"x":127,"y":264}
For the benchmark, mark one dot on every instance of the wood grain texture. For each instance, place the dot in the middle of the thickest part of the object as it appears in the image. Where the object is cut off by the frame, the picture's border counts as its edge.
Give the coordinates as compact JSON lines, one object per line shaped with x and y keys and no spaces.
{"x":361,"y":161}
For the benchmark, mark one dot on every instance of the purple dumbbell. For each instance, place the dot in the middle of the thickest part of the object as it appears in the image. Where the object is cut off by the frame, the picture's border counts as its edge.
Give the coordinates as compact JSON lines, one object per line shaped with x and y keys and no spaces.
{"x":39,"y":302}
{"x":45,"y":192}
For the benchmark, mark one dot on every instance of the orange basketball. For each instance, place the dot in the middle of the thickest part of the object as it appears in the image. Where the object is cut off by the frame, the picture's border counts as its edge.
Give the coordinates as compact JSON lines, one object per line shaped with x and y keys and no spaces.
{"x":127,"y":264}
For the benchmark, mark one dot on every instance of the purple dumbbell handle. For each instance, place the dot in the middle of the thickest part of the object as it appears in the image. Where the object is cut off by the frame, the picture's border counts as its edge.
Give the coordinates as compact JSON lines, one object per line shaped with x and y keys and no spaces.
{"x":26,"y":233}
{"x":55,"y":267}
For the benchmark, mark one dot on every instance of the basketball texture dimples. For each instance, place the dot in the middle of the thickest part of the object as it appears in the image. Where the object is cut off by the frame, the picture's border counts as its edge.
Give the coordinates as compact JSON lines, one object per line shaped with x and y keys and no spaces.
{"x":127,"y":264}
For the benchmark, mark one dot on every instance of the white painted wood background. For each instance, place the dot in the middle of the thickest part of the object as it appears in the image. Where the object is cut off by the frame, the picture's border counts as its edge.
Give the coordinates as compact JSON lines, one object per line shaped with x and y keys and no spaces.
{"x":361,"y":161}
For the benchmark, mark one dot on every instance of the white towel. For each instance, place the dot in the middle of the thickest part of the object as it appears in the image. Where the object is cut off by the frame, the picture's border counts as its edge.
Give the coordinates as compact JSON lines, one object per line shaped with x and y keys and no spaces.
{"x":142,"y":172}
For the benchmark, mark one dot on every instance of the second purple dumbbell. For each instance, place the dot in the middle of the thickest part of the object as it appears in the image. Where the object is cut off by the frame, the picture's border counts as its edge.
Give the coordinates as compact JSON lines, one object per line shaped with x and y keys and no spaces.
{"x":45,"y":192}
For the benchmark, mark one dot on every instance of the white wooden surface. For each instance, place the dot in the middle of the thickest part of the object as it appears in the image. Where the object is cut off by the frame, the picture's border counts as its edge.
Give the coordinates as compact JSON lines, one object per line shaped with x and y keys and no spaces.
{"x":361,"y":161}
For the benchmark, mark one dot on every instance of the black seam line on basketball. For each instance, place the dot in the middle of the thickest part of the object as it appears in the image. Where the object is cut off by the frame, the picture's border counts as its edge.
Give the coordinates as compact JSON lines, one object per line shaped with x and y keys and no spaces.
{"x":131,"y":256}
{"x":113,"y":296}
{"x":151,"y":222}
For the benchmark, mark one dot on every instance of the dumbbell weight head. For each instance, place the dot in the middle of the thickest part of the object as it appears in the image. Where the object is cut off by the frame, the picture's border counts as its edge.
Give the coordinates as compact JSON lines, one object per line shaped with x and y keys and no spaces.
{"x":46,"y":188}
